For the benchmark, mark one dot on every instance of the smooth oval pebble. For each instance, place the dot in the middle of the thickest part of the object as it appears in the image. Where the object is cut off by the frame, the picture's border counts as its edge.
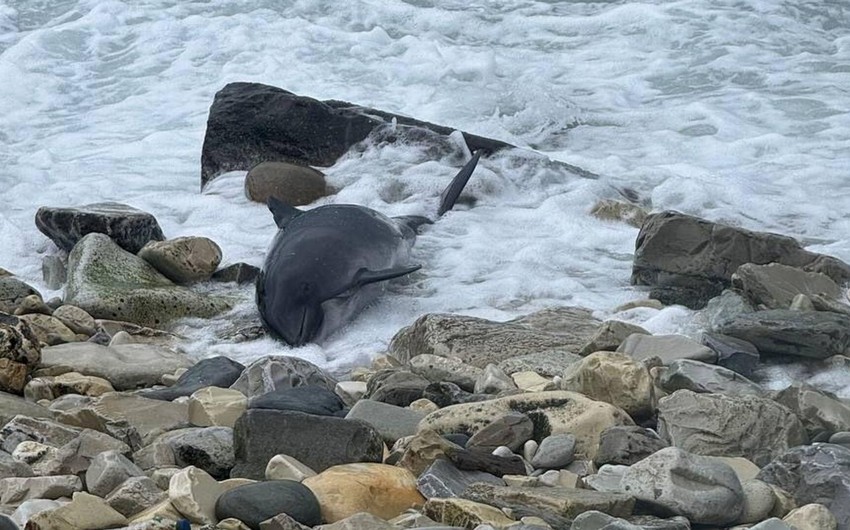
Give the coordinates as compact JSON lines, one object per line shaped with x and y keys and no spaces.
{"x":254,"y":503}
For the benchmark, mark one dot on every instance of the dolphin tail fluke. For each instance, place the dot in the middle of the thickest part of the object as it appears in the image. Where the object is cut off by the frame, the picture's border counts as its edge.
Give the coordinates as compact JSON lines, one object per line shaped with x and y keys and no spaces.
{"x":452,"y":192}
{"x":282,"y":212}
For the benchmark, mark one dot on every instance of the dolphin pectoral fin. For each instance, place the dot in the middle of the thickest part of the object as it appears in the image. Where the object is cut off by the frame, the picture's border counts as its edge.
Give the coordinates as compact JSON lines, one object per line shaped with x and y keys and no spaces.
{"x":282,"y":212}
{"x":452,"y":192}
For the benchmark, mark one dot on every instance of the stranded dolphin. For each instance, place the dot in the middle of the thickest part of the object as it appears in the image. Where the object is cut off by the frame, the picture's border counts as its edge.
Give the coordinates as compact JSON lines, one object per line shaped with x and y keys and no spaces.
{"x":326,"y":264}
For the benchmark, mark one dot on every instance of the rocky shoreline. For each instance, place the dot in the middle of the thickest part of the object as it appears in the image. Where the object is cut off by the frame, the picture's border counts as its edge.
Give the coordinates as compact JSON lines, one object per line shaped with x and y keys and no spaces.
{"x":554,"y":420}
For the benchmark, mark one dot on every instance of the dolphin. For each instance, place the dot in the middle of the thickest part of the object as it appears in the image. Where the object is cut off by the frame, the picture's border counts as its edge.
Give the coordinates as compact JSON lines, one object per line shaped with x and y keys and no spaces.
{"x":326,"y":264}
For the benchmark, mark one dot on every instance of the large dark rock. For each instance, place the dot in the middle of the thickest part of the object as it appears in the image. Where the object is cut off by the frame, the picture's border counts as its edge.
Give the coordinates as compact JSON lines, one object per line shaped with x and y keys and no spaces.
{"x":317,"y":441}
{"x":442,"y":479}
{"x":817,"y":473}
{"x":814,"y":334}
{"x":687,"y":260}
{"x":215,"y":371}
{"x":308,"y":399}
{"x":735,"y":354}
{"x":250,"y":123}
{"x":207,"y":448}
{"x":400,"y":388}
{"x":254,"y":503}
{"x":128,"y":227}
{"x":626,"y":445}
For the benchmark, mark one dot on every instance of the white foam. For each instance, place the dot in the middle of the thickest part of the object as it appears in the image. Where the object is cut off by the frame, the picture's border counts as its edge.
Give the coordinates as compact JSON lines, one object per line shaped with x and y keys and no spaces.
{"x":735,"y":112}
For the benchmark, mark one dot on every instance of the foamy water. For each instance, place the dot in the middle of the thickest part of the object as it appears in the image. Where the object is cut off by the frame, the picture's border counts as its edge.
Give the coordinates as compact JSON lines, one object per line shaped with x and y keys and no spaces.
{"x":734,"y":111}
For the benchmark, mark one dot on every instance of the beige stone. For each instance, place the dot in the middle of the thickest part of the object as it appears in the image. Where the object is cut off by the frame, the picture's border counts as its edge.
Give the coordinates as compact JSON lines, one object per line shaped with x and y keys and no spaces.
{"x":48,"y":329}
{"x":811,"y":517}
{"x":183,"y":259}
{"x":285,"y":467}
{"x":214,"y":406}
{"x":15,"y":490}
{"x":76,"y":319}
{"x":290,"y":183}
{"x":609,"y":336}
{"x":193,"y":493}
{"x":556,"y":412}
{"x":13,"y":376}
{"x":614,"y":378}
{"x":76,"y":383}
{"x":783,"y":502}
{"x":424,"y":405}
{"x":382,"y":490}
{"x":350,"y":392}
{"x":231,"y":524}
{"x":162,"y":511}
{"x":358,"y":521}
{"x":758,"y":501}
{"x":529,"y":381}
{"x":742,"y":467}
{"x":419,"y":451}
{"x":464,"y":513}
{"x":84,"y":512}
{"x":614,"y":210}
{"x":33,"y":304}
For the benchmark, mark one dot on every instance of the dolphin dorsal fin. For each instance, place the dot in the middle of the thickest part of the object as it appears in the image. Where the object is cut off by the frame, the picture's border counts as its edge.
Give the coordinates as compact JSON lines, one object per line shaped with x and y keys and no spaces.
{"x":282,"y":212}
{"x":452,"y":192}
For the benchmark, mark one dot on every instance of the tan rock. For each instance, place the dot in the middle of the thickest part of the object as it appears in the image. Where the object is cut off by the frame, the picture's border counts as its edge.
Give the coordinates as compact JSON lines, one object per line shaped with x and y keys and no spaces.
{"x":76,"y":383}
{"x":350,"y":392}
{"x":529,"y":381}
{"x":555,"y":412}
{"x":183,"y":259}
{"x":419,"y":451}
{"x":231,"y":524}
{"x":614,"y":378}
{"x":214,"y":406}
{"x":382,"y":490}
{"x":32,"y":304}
{"x":464,"y":513}
{"x":358,"y":521}
{"x":290,"y":183}
{"x":424,"y":405}
{"x":742,"y":467}
{"x":48,"y":329}
{"x":76,"y":319}
{"x":609,"y":336}
{"x":613,"y":210}
{"x":811,"y":517}
{"x":285,"y":467}
{"x":193,"y":493}
{"x":162,"y":511}
{"x":13,"y":376}
{"x":84,"y":512}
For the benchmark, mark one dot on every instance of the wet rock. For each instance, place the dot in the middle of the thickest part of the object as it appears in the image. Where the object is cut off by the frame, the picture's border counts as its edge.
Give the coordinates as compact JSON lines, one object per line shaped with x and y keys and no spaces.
{"x":613,"y":378}
{"x":280,"y":371}
{"x":317,"y":441}
{"x":12,"y":293}
{"x":668,"y":348}
{"x":442,"y":479}
{"x":479,"y":342}
{"x":822,"y":414}
{"x":612,"y":210}
{"x":685,"y":374}
{"x":390,"y":421}
{"x":126,"y":366}
{"x":251,"y":123}
{"x":307,"y":399}
{"x":687,"y":260}
{"x":53,"y":271}
{"x":716,"y":425}
{"x":255,"y":503}
{"x":109,"y":282}
{"x":216,"y":371}
{"x":610,"y":335}
{"x":382,"y":490}
{"x":556,"y":505}
{"x":734,"y":354}
{"x":129,"y":227}
{"x":551,"y":412}
{"x":238,"y":273}
{"x":214,"y":406}
{"x":626,"y":445}
{"x":184,"y":259}
{"x":437,"y":369}
{"x":703,"y":490}
{"x":554,"y":452}
{"x":775,"y":286}
{"x":818,"y":473}
{"x":400,"y":388}
{"x":291,"y":183}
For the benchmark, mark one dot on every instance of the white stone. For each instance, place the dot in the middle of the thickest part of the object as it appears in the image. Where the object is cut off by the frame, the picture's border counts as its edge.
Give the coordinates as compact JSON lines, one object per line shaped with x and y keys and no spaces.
{"x":529,"y":450}
{"x":811,"y":517}
{"x":350,"y":392}
{"x":214,"y":406}
{"x":193,"y":493}
{"x":84,"y":512}
{"x":285,"y":467}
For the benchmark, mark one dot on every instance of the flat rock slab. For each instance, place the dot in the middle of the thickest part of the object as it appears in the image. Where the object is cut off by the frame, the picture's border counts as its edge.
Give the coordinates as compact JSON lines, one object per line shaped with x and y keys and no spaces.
{"x":390,"y":421}
{"x":251,"y":123}
{"x":706,"y":378}
{"x":129,"y":227}
{"x":813,"y":334}
{"x":480,"y":342}
{"x":126,"y":366}
{"x":688,"y":260}
{"x":308,"y":399}
{"x":109,"y":282}
{"x":319,"y":442}
{"x":149,"y":417}
{"x":775,"y":285}
{"x":11,"y":406}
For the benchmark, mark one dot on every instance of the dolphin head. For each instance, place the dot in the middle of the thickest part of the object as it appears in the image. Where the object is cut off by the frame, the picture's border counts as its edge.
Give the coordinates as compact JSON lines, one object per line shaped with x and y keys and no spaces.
{"x":291,"y":308}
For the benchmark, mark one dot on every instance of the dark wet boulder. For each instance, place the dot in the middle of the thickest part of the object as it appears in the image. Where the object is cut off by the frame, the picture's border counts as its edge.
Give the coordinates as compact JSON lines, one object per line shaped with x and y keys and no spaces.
{"x":216,"y":371}
{"x":687,"y":260}
{"x":255,"y":503}
{"x":129,"y":227}
{"x":308,"y":399}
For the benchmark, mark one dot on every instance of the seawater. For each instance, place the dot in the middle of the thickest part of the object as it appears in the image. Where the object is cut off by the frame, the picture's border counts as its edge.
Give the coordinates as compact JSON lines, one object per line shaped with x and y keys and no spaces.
{"x":734,"y":111}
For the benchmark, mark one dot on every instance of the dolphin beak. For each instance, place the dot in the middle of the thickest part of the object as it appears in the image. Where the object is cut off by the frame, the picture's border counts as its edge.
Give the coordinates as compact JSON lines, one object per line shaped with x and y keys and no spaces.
{"x":306,"y":328}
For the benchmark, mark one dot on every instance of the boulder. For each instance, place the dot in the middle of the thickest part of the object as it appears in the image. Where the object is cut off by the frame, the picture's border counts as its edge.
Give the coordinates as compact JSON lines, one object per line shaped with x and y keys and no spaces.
{"x":668,"y":348}
{"x":775,"y":286}
{"x":614,"y":378}
{"x":115,"y":412}
{"x":218,"y":371}
{"x":135,"y":495}
{"x":76,"y":319}
{"x":685,"y":374}
{"x":548,"y":363}
{"x":479,"y":342}
{"x":237,"y":273}
{"x":626,"y":445}
{"x":184,"y":259}
{"x":716,"y":425}
{"x":555,"y":452}
{"x":759,"y":500}
{"x":737,"y":355}
{"x":445,"y":394}
{"x":437,"y":369}
{"x":129,"y":227}
{"x":42,"y":430}
{"x":687,"y":260}
{"x":614,"y":210}
{"x":812,"y":334}
{"x":109,"y":470}
{"x":822,"y":414}
{"x":593,"y":520}
{"x":12,"y":467}
{"x":395,"y":387}
{"x":442,"y":479}
{"x":390,"y":421}
{"x":610,"y":335}
{"x":551,"y":412}
{"x":254,"y":503}
{"x":193,"y":493}
{"x":49,"y":330}
{"x":20,"y":353}
{"x":16,"y":490}
{"x":84,"y":512}
{"x":13,"y":292}
{"x":126,"y":366}
{"x":494,"y":381}
{"x":75,"y":457}
{"x":818,"y":473}
{"x":292,"y":184}
{"x":251,"y":123}
{"x":280,"y":371}
{"x":214,"y":406}
{"x":703,"y":490}
{"x":318,"y":441}
{"x":511,"y":430}
{"x":307,"y":399}
{"x":382,"y":490}
{"x":207,"y":448}
{"x":109,"y":282}
{"x":811,"y":517}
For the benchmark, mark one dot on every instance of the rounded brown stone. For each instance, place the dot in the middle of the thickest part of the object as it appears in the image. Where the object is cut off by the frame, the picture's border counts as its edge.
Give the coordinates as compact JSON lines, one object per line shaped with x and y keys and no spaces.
{"x":290,"y":183}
